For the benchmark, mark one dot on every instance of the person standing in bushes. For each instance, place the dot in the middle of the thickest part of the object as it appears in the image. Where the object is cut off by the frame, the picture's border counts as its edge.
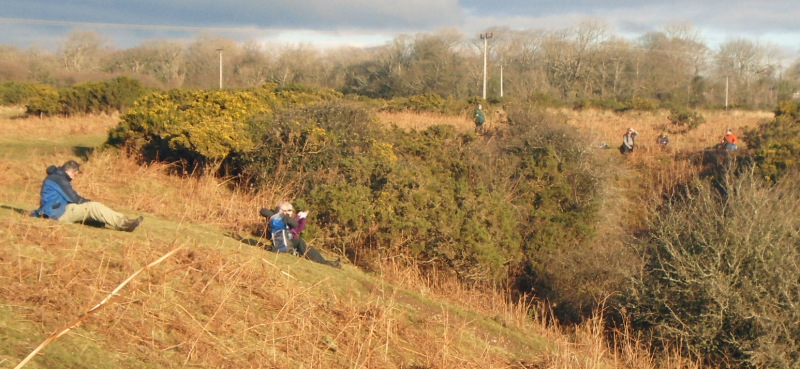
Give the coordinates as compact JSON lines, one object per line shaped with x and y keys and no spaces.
{"x":479,"y":118}
{"x":285,"y":230}
{"x":59,"y":201}
{"x":628,"y":141}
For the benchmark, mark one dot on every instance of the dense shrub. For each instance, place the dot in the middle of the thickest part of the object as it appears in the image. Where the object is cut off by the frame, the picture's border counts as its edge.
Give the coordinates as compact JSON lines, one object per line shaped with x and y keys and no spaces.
{"x":604,"y":104}
{"x":544,"y":100}
{"x":643,"y":104}
{"x":16,"y":93}
{"x":722,"y":274}
{"x":685,"y":118}
{"x":555,"y":193}
{"x":788,"y":109}
{"x":303,"y":139}
{"x":482,"y":210}
{"x":197,"y":127}
{"x":44,"y":101}
{"x":776,"y":145}
{"x":86,"y":98}
{"x":378,"y":193}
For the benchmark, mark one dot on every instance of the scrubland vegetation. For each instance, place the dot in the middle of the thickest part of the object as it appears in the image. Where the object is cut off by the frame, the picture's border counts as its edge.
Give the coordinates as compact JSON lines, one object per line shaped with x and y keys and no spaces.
{"x":533,"y":245}
{"x":530,"y":246}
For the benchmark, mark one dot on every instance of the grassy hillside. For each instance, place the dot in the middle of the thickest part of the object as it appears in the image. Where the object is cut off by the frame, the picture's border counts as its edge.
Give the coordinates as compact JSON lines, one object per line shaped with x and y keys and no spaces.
{"x":222,"y":301}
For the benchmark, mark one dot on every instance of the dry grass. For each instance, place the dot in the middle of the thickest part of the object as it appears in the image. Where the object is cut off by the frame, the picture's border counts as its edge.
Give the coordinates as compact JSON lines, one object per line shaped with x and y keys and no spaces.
{"x":14,"y":127}
{"x":422,"y":121}
{"x":222,"y":303}
{"x":603,"y":126}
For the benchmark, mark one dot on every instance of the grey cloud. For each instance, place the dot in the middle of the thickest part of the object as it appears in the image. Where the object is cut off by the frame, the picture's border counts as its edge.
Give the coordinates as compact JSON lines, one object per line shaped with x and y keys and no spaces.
{"x":258,"y":18}
{"x":298,"y":14}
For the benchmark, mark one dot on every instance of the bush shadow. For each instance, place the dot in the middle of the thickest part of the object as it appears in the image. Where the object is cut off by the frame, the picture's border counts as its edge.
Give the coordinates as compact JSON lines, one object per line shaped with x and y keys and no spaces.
{"x":83,"y":152}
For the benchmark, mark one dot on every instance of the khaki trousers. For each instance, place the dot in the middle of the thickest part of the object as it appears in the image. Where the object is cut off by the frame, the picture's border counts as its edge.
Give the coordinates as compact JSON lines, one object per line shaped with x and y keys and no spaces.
{"x":92,"y":210}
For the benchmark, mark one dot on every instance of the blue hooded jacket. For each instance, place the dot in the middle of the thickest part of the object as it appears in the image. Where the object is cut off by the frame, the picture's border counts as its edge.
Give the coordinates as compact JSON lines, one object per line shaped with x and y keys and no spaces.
{"x":56,"y":193}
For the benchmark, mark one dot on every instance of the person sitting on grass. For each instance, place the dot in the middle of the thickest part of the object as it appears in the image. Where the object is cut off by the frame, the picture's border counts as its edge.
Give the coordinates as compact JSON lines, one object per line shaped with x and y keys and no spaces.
{"x":59,"y":201}
{"x":730,"y":140}
{"x":662,"y":140}
{"x":285,"y":231}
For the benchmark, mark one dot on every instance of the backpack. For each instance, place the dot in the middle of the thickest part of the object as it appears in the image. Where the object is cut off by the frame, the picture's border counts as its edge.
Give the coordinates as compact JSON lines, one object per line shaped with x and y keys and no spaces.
{"x":281,"y":235}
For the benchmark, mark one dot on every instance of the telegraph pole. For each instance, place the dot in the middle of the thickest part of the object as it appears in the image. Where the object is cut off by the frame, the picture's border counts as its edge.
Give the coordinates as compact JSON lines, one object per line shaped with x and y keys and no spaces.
{"x":501,"y":78}
{"x":485,"y":37}
{"x":220,"y":67}
{"x":726,"y":92}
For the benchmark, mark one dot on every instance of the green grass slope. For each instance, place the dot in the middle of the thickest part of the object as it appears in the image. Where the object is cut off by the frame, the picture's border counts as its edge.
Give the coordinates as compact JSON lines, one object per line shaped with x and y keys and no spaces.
{"x":221,"y":301}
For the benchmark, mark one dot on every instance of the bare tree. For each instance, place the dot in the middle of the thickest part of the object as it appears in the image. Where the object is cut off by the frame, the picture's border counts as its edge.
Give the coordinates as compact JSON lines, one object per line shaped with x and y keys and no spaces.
{"x":750,"y":69}
{"x":671,"y":61}
{"x":251,"y":67}
{"x":568,"y":55}
{"x":82,"y":51}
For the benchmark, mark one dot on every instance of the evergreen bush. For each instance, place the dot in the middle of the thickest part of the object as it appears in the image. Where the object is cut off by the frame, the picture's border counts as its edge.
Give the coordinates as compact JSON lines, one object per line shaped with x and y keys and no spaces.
{"x":685,"y":118}
{"x":486,"y":212}
{"x":85,"y":98}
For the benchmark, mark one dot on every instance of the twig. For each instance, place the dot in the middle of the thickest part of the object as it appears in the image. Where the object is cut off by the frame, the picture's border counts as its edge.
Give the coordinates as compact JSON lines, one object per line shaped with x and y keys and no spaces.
{"x":93,"y":310}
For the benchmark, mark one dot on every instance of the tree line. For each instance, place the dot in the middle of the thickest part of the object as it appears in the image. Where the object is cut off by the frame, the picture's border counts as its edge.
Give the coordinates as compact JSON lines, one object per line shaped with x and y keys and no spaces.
{"x":587,"y":64}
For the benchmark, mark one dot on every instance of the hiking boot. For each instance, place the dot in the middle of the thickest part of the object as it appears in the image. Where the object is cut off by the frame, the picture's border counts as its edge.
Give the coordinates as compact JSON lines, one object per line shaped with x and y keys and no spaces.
{"x":336,"y":264}
{"x":131,"y":224}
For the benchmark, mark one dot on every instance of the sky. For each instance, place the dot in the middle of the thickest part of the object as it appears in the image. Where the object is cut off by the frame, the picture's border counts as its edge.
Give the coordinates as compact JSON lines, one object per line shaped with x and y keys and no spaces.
{"x":362,"y":23}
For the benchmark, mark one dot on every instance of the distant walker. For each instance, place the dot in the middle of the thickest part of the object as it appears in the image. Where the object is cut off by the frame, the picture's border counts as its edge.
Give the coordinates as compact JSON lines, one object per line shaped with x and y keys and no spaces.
{"x":479,"y":118}
{"x":628,"y":141}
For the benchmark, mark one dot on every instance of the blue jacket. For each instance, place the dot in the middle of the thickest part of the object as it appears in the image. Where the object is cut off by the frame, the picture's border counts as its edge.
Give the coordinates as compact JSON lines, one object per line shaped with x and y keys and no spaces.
{"x":56,"y":193}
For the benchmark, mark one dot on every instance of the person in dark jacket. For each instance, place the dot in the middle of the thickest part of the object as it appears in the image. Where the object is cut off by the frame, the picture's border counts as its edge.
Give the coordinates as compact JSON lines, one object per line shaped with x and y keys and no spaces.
{"x":59,"y":201}
{"x":285,"y":230}
{"x":479,"y":118}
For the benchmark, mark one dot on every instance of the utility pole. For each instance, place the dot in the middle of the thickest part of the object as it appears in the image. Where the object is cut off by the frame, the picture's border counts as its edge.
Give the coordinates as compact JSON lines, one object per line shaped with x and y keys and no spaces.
{"x":726,"y":92}
{"x":501,"y":78}
{"x":220,"y":67}
{"x":485,"y":37}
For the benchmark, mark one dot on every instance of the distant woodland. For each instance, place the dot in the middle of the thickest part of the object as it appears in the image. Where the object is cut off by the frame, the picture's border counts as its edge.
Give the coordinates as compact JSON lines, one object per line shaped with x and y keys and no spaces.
{"x":583,"y":65}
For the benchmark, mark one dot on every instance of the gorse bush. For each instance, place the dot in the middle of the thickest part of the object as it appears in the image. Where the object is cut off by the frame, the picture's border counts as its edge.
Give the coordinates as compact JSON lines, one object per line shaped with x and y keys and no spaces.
{"x":788,"y":108}
{"x":486,"y":211}
{"x":303,"y":139}
{"x":555,"y":193}
{"x":44,"y":102}
{"x":92,"y":97}
{"x":685,"y":118}
{"x":16,"y":93}
{"x":198,"y":127}
{"x":776,"y":144}
{"x":722,"y":274}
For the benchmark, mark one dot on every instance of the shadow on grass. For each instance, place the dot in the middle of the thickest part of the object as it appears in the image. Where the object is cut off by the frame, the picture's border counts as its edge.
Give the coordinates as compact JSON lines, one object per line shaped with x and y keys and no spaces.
{"x":249,"y":241}
{"x":94,"y":223}
{"x":27,"y":212}
{"x":83,"y":152}
{"x":16,"y":210}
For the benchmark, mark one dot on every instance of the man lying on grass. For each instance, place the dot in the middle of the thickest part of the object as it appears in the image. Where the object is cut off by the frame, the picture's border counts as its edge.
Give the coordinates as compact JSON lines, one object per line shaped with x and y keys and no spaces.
{"x":59,"y":201}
